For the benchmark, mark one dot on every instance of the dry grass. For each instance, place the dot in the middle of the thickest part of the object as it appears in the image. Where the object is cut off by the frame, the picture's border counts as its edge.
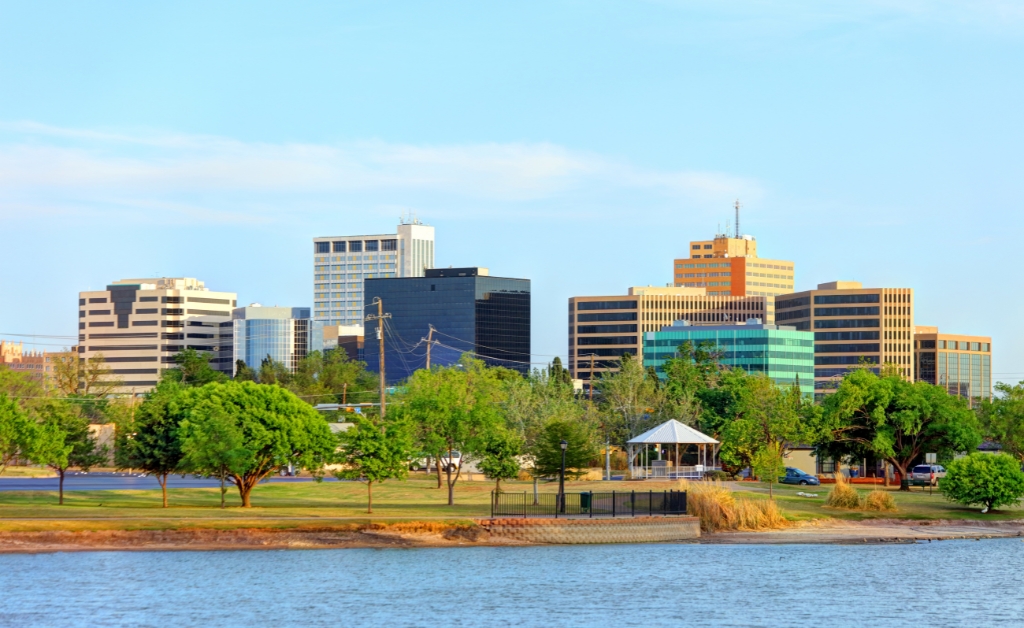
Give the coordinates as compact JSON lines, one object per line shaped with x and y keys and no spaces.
{"x":880,"y":500}
{"x":843,"y":495}
{"x":718,"y":510}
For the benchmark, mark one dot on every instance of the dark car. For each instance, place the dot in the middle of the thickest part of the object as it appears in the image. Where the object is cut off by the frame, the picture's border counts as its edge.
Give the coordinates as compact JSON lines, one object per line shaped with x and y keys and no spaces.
{"x":796,"y":476}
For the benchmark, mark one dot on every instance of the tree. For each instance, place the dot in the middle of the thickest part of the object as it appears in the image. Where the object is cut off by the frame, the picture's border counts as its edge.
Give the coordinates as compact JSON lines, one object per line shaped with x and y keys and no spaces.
{"x":500,"y":456}
{"x":455,"y":409}
{"x":559,"y":374}
{"x":767,"y":425}
{"x":193,"y":369}
{"x":985,"y":479}
{"x":64,"y":441}
{"x":581,"y":449}
{"x":243,"y":373}
{"x":212,"y":446}
{"x":277,"y":429}
{"x":17,"y":432}
{"x":374,"y":452}
{"x":71,"y":375}
{"x":273,"y":372}
{"x":890,"y":419}
{"x":331,"y":376}
{"x":1002,"y":418}
{"x":149,"y":440}
{"x":630,"y":397}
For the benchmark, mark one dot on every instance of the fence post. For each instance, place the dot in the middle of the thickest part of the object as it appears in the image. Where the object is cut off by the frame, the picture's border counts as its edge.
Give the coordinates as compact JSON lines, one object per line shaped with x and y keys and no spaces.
{"x":650,"y":503}
{"x":613,"y":504}
{"x":632,"y":503}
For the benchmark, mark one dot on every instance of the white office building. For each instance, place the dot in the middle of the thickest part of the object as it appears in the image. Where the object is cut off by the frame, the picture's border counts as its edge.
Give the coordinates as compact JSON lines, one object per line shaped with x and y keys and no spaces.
{"x":139,"y":325}
{"x":341,"y":263}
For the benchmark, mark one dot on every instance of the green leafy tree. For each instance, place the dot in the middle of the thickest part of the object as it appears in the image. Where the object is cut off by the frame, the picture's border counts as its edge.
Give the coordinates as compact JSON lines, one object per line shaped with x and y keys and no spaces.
{"x":985,"y":479}
{"x":455,"y":408}
{"x":1002,"y":418}
{"x":211,"y":444}
{"x":890,"y":419}
{"x":767,"y":425}
{"x":64,"y":441}
{"x":243,"y":372}
{"x":500,"y":456}
{"x":193,"y":369}
{"x":559,"y":374}
{"x":148,"y":439}
{"x":273,"y":372}
{"x":630,"y":398}
{"x":277,"y":429}
{"x":324,"y":377}
{"x":18,"y":432}
{"x":581,"y":449}
{"x":374,"y":452}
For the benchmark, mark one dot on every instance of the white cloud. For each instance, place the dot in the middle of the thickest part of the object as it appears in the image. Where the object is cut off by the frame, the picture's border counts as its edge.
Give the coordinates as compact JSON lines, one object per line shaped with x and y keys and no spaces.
{"x":202,"y":178}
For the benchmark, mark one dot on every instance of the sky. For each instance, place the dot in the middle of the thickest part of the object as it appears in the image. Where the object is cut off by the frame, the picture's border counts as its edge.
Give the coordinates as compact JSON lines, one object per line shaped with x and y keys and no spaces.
{"x":580,"y":144}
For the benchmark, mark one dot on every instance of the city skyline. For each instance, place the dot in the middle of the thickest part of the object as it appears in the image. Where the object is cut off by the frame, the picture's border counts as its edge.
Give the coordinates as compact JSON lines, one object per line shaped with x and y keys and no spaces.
{"x":862,"y":146}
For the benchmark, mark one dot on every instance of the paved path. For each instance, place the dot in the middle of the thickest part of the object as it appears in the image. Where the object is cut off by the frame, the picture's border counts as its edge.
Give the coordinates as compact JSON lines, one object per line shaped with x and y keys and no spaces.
{"x":118,"y":482}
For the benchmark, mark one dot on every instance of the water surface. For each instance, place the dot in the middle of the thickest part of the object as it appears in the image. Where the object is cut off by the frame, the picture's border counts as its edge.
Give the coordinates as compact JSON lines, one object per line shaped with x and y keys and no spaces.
{"x":951,"y":583}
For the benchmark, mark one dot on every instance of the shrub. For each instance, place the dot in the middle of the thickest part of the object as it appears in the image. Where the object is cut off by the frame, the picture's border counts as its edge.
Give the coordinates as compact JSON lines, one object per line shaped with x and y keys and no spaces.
{"x":879,"y":500}
{"x":843,"y":495}
{"x":983,"y":479}
{"x":758,"y":514}
{"x":718,"y":475}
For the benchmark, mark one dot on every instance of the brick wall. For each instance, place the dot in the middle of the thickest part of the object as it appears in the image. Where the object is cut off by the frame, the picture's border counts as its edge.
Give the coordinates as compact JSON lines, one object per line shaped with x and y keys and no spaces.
{"x":585,"y":531}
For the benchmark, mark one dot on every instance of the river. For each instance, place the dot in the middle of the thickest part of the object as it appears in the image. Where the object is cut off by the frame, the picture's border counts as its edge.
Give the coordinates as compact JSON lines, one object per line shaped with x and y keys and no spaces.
{"x":950,"y":583}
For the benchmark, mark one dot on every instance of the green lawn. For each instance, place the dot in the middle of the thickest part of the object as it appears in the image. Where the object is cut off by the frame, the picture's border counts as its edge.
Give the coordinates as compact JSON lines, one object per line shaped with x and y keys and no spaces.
{"x":917,"y":504}
{"x":338,"y":504}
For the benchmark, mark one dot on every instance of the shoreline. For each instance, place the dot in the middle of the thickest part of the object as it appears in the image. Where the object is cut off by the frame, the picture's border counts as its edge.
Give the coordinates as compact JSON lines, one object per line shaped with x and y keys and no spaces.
{"x":414,"y":535}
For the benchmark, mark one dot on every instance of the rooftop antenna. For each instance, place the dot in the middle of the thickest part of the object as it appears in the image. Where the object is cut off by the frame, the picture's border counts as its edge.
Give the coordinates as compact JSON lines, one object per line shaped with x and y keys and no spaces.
{"x":737,"y":217}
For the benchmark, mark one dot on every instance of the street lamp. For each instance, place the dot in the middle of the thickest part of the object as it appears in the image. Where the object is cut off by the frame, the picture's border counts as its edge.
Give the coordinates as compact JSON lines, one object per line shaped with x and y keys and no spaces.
{"x":561,"y":479}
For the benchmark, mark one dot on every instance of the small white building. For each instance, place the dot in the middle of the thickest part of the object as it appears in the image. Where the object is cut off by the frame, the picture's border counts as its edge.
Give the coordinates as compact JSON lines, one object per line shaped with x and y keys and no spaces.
{"x":659,"y":453}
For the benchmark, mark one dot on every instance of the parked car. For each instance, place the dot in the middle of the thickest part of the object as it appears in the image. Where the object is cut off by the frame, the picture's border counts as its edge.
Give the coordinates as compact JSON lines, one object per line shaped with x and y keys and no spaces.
{"x":451,"y":464}
{"x":927,"y":474}
{"x":796,"y":476}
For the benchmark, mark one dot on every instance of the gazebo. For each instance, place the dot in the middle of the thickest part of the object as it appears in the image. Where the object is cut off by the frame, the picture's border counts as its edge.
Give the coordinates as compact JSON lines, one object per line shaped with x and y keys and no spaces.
{"x":671,"y":432}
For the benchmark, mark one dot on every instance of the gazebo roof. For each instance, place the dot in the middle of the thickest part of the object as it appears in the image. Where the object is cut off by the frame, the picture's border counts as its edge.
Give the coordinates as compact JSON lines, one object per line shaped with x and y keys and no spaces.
{"x":673,"y":431}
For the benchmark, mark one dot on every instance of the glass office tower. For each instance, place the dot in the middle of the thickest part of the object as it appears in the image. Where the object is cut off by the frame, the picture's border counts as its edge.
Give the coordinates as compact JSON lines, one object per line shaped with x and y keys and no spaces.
{"x":284,"y":334}
{"x":469,"y":310}
{"x":782,"y":353}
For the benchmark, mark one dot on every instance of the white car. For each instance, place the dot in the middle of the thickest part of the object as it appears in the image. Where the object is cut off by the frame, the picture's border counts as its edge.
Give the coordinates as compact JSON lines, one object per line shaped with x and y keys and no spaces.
{"x":453,"y":463}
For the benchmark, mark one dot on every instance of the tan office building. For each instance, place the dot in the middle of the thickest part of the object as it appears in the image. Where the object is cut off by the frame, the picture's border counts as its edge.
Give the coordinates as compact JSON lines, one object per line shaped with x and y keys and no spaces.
{"x":962,"y":364}
{"x":729,"y":266}
{"x":604,"y":328}
{"x":139,"y":325}
{"x":852,"y":326}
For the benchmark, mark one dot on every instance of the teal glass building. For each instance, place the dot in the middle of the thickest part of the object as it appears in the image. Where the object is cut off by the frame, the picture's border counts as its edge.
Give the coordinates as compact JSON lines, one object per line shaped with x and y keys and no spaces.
{"x":781,"y":352}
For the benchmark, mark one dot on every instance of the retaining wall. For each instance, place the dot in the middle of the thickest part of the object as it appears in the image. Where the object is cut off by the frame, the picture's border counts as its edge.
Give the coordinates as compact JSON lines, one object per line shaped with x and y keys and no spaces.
{"x":585,"y":531}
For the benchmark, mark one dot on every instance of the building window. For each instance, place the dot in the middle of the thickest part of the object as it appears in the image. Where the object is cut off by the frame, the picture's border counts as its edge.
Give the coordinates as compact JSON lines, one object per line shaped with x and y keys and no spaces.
{"x":355,"y":246}
{"x":321,"y":247}
{"x":339,"y":246}
{"x":389,"y":245}
{"x":372,"y":245}
{"x":707,"y":247}
{"x":696,"y":246}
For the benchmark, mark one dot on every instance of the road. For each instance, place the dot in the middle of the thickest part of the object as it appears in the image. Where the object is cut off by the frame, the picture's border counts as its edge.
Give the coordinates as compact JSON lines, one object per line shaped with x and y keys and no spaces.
{"x":117,"y":482}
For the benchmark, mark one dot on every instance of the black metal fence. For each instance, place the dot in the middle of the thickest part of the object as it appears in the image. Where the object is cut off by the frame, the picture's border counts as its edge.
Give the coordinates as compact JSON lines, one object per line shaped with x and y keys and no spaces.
{"x":613,"y":504}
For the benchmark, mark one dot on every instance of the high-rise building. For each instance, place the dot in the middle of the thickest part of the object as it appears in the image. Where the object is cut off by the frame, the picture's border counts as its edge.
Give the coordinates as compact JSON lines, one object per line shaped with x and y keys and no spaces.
{"x":342,"y":263}
{"x":602,"y":329}
{"x":283,"y":334}
{"x":469,"y":311}
{"x":139,"y":325}
{"x":853,"y":327}
{"x":730,"y":266}
{"x":348,"y":338}
{"x":962,"y":364}
{"x":778,"y":351}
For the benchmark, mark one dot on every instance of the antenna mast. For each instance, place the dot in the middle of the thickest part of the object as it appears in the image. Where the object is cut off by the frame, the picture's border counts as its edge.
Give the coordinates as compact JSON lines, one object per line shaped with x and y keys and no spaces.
{"x":737,"y":218}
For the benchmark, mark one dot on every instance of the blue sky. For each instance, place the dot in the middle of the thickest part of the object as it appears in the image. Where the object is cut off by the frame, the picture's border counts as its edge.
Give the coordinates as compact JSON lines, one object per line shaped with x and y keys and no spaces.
{"x":579,"y":144}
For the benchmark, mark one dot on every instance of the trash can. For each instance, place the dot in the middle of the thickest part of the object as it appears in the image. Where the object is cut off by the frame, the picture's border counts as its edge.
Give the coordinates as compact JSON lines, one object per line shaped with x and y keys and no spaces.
{"x":585,"y":502}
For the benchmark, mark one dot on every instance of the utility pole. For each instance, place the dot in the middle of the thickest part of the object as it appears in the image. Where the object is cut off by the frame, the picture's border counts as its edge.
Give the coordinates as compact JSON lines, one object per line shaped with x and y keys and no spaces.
{"x":344,"y":394}
{"x":430,"y":342}
{"x":379,"y":317}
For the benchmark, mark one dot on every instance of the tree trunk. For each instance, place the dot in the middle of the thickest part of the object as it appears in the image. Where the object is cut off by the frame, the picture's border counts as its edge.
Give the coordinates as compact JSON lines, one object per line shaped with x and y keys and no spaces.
{"x":437,"y":465}
{"x":162,"y":478}
{"x":451,"y":488}
{"x":244,"y":492}
{"x":904,"y":480}
{"x":535,"y":497}
{"x":222,"y":488}
{"x":770,"y":494}
{"x":369,"y":497}
{"x":60,"y":500}
{"x":497,"y":486}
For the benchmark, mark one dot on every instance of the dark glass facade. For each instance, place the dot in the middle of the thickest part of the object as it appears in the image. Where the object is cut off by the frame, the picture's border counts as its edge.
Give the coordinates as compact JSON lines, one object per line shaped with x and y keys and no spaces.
{"x":488,"y":316}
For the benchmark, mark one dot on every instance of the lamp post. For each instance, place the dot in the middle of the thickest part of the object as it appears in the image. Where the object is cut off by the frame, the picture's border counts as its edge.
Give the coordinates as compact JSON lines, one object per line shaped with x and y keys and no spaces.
{"x":561,"y":479}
